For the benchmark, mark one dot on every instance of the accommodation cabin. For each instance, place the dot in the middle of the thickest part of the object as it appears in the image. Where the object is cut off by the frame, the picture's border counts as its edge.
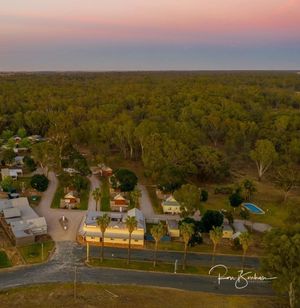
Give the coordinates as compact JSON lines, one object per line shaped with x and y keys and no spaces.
{"x":105,"y":171}
{"x":13,"y":173}
{"x":227,"y":231}
{"x":119,"y":203}
{"x":171,"y":206}
{"x":70,"y":200}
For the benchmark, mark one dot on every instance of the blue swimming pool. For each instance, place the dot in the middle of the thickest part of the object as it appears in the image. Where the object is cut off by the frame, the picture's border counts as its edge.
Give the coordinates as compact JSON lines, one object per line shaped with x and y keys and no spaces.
{"x":253,"y":208}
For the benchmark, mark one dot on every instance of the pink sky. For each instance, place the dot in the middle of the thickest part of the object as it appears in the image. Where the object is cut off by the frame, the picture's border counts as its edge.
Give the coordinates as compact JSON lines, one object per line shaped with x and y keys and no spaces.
{"x":91,"y":33}
{"x":157,"y":20}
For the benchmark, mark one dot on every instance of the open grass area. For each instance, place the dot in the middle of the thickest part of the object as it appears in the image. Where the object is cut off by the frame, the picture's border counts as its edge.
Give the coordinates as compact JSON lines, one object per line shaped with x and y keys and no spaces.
{"x":121,"y":296}
{"x":84,"y":197}
{"x":33,"y":253}
{"x":267,"y":197}
{"x":59,"y":194}
{"x":161,"y":267}
{"x":154,"y":200}
{"x":105,"y":198}
{"x":4,"y":261}
{"x":204,"y":248}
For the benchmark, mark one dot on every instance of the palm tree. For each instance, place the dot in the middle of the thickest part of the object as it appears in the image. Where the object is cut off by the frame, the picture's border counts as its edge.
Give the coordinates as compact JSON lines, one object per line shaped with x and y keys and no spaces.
{"x":245,"y":240}
{"x":186,"y":231}
{"x":97,"y":196}
{"x":215,"y":235}
{"x":157,"y":231}
{"x":103,"y":222}
{"x":131,"y":224}
{"x":135,"y":196}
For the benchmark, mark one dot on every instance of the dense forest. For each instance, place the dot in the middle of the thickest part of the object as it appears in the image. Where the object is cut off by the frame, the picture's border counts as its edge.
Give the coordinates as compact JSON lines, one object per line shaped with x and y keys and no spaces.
{"x":179,"y":124}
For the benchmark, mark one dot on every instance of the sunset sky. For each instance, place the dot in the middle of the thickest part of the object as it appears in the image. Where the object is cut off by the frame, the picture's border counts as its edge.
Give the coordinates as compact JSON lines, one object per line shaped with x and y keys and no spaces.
{"x":149,"y":35}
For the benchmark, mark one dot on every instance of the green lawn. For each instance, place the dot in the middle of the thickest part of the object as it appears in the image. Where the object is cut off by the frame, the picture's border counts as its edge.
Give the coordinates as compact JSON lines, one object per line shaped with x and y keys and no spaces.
{"x":33,"y":253}
{"x":267,"y":197}
{"x":205,"y":248}
{"x":160,"y":266}
{"x":4,"y":261}
{"x":59,"y":194}
{"x":105,"y":199}
{"x":84,"y":198}
{"x":125,"y":296}
{"x":156,"y":204}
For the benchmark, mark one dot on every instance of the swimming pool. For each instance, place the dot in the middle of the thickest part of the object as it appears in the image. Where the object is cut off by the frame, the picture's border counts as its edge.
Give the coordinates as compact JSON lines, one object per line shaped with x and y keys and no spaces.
{"x":253,"y":208}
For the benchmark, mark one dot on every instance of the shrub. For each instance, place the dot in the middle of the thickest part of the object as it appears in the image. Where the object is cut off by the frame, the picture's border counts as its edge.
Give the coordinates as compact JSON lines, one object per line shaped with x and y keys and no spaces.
{"x":29,"y":163}
{"x":229,"y":216}
{"x":124,"y":179}
{"x":236,"y":199}
{"x":204,"y":195}
{"x":7,"y":183}
{"x":211,"y":219}
{"x":236,"y":245}
{"x":224,"y":190}
{"x":39,"y":182}
{"x":244,"y":214}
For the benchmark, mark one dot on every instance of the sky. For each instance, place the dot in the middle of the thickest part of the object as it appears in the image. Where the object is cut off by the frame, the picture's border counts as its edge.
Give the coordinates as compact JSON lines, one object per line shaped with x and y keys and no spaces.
{"x":39,"y":35}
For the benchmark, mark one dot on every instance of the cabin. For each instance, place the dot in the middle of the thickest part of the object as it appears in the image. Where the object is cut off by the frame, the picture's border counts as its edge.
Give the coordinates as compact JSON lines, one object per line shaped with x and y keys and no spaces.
{"x":70,"y":200}
{"x":119,"y":203}
{"x":171,"y":206}
{"x":13,"y":173}
{"x":227,"y":231}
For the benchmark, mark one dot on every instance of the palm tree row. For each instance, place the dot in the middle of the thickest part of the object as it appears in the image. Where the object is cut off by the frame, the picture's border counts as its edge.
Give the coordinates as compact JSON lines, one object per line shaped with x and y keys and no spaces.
{"x":158,"y":231}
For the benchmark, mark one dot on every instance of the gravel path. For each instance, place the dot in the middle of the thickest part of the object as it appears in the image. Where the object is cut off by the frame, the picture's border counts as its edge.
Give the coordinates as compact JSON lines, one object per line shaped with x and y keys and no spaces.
{"x":52,"y":215}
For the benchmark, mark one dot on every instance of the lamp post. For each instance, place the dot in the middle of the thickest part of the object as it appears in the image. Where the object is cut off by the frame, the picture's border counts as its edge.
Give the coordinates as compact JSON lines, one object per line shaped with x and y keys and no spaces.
{"x":87,"y":252}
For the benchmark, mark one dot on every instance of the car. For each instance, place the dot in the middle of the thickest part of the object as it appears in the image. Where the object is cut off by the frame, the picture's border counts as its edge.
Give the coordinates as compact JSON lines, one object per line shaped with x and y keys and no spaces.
{"x":64,"y":222}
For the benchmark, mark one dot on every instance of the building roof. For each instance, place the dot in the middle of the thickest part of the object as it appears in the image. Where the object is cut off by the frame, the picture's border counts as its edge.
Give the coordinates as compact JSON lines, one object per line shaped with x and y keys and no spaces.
{"x":11,"y":213}
{"x":70,"y":195}
{"x":227,"y":227}
{"x":170,"y":201}
{"x":119,"y":197}
{"x":5,"y":204}
{"x":23,"y":220}
{"x":239,"y":226}
{"x":5,"y":172}
{"x":118,"y":220}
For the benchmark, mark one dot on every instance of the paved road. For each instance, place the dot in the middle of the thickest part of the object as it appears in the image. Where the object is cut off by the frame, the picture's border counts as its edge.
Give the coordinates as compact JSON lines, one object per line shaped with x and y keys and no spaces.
{"x":69,"y":254}
{"x":52,"y":215}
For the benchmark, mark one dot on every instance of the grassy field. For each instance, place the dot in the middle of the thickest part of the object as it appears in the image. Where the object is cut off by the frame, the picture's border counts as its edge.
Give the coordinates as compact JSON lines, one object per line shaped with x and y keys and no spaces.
{"x":267,"y":197}
{"x":154,"y":200}
{"x":59,"y":194}
{"x":206,"y":248}
{"x":33,"y":253}
{"x":160,"y":267}
{"x":84,"y":197}
{"x":4,"y":261}
{"x":92,"y":295}
{"x":105,"y":199}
